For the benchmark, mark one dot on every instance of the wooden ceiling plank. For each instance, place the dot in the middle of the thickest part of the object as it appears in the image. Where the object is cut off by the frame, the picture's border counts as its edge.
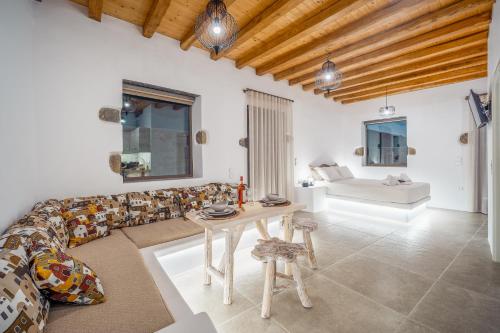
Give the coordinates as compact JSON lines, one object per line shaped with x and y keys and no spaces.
{"x":404,"y":77}
{"x":416,"y":81}
{"x":155,"y":16}
{"x":394,"y":15}
{"x":437,"y":25}
{"x":349,"y":78}
{"x":95,"y":9}
{"x":429,"y":85}
{"x":267,"y":16}
{"x":300,"y":29}
{"x":188,"y":40}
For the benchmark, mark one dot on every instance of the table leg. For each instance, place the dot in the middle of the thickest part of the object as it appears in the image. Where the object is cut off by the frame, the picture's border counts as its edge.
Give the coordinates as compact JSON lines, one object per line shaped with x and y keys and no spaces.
{"x":228,"y":269}
{"x":288,"y":236}
{"x":262,"y":228}
{"x":236,"y":240}
{"x":208,"y":256}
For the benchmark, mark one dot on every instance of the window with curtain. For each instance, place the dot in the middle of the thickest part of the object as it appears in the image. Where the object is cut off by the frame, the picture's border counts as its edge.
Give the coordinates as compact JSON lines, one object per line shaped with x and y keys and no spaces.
{"x":270,"y":134}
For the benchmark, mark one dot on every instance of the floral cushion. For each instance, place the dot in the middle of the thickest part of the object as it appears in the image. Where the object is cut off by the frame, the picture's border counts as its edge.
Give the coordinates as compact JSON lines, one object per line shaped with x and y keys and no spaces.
{"x":63,"y":278}
{"x":22,"y":307}
{"x":85,"y":219}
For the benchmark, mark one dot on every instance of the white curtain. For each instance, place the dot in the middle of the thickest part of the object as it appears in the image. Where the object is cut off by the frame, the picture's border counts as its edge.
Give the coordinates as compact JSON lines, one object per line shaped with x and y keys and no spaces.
{"x":270,"y":135}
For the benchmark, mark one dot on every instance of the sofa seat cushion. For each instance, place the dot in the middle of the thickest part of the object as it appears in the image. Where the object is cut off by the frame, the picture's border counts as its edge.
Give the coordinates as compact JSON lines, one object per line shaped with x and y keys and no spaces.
{"x":161,"y":232}
{"x":133,"y":302}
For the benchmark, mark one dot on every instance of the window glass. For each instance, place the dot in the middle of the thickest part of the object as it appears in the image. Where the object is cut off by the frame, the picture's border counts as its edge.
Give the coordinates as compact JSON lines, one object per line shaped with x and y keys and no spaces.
{"x":386,"y":143}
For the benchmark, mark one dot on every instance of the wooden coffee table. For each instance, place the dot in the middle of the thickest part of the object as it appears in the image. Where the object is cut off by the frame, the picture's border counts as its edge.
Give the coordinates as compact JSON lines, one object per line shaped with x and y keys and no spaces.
{"x":233,"y":229}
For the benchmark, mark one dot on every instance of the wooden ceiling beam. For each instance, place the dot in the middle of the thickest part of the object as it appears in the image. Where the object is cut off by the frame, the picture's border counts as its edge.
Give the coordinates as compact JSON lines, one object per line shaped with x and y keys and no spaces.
{"x":406,"y":89}
{"x":441,"y":54}
{"x":454,"y":21}
{"x":432,"y":63}
{"x":189,"y":38}
{"x":267,"y":16}
{"x":394,"y":15}
{"x":302,"y":28}
{"x":410,"y":82}
{"x":95,"y":9}
{"x":425,"y":73}
{"x":155,"y":16}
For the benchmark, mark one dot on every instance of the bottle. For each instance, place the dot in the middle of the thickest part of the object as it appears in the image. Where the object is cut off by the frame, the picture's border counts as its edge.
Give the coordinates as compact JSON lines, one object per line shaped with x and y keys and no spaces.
{"x":241,"y":189}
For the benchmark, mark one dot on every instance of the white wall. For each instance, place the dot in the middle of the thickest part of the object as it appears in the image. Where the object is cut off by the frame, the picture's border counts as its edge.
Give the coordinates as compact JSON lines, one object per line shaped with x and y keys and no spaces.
{"x":79,"y":67}
{"x":436,"y":118}
{"x":18,"y":176}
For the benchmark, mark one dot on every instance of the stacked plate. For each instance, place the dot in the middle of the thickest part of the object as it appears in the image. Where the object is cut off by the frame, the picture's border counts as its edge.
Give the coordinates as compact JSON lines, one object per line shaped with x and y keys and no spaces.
{"x":273,"y":200}
{"x":219,"y":213}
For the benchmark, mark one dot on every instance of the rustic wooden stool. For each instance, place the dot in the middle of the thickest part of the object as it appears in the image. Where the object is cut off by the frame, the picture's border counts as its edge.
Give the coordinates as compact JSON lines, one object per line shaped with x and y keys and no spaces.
{"x":307,"y":226}
{"x":269,"y":251}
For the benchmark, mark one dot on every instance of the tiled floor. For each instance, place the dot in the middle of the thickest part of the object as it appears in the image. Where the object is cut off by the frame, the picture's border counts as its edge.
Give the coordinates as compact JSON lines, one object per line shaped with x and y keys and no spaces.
{"x":432,"y":275}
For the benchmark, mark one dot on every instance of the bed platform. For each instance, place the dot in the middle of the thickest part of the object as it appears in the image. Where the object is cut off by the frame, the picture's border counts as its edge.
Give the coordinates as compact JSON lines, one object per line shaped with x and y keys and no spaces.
{"x":371,"y":198}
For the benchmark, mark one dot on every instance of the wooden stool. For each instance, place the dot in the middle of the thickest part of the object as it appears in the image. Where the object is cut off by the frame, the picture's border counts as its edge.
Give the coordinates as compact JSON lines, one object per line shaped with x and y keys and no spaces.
{"x":269,"y":251}
{"x":307,"y":226}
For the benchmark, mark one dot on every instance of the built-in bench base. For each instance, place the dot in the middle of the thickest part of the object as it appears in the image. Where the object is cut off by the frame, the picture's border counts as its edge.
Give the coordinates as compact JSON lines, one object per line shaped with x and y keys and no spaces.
{"x":387,"y":211}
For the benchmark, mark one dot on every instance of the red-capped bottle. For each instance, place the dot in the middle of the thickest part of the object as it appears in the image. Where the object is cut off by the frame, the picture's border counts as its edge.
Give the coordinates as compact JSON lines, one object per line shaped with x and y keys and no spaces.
{"x":241,"y":190}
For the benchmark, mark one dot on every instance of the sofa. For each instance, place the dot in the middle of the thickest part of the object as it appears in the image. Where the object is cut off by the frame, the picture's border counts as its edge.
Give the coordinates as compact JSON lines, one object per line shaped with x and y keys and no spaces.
{"x":106,"y":233}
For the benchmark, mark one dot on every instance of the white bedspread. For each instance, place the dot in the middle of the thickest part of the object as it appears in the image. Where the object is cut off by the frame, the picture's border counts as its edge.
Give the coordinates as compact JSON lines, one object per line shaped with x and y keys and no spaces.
{"x":374,"y":190}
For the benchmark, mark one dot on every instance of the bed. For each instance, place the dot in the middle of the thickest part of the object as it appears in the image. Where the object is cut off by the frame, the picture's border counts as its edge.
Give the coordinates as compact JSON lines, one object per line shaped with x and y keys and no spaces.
{"x":375,"y":191}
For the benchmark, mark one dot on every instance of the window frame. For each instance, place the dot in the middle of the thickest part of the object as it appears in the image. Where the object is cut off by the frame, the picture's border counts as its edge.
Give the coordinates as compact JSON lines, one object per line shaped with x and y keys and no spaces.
{"x":365,"y":140}
{"x":190,"y":173}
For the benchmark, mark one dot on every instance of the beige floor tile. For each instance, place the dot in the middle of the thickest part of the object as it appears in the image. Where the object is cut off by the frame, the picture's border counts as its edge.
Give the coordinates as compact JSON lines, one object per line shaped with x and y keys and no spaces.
{"x":449,"y":308}
{"x":429,"y":263}
{"x":250,"y":322}
{"x":475,"y":270}
{"x":327,"y":253}
{"x":342,"y":236}
{"x":376,"y":228}
{"x":209,"y":299}
{"x":335,"y":309}
{"x":386,"y":284}
{"x":250,"y":273}
{"x":410,"y":326}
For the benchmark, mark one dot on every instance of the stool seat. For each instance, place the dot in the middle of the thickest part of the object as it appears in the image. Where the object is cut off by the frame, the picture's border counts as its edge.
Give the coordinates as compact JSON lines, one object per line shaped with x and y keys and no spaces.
{"x":277,"y":249}
{"x":304,"y":223}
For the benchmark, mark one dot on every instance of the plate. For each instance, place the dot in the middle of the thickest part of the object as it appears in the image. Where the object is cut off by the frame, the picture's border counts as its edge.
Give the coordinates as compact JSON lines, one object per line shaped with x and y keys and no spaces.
{"x":225,"y":212}
{"x":278,"y":201}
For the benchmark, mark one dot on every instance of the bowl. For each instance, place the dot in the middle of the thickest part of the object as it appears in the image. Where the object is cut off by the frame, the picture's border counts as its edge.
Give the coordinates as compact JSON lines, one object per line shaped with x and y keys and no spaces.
{"x":219,"y":206}
{"x":273,"y":197}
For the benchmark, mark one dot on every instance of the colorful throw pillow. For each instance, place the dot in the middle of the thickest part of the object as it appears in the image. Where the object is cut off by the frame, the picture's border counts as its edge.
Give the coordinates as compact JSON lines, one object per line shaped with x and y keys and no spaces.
{"x":53,"y":215}
{"x":166,"y":206}
{"x":22,"y":307}
{"x":63,"y":278}
{"x":143,"y":208}
{"x":34,"y":238}
{"x":197,"y":197}
{"x":226,"y":193}
{"x":116,"y":210}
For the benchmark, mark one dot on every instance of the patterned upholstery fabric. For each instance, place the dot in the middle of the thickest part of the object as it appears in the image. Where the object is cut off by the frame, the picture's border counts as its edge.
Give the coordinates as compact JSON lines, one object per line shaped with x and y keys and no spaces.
{"x":116,"y":210}
{"x":143,"y":208}
{"x":85,"y":219}
{"x":65,"y":279}
{"x":226,"y":193}
{"x":52,"y":214}
{"x":22,"y":306}
{"x":167,"y":206}
{"x":196,"y":197}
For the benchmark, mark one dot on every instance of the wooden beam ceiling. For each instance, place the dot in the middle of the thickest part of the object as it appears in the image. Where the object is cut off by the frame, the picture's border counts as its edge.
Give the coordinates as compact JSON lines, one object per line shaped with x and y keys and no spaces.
{"x":266,"y":17}
{"x":95,"y":9}
{"x":398,"y":45}
{"x":155,"y":16}
{"x":415,"y":82}
{"x":410,"y":88}
{"x":293,"y":33}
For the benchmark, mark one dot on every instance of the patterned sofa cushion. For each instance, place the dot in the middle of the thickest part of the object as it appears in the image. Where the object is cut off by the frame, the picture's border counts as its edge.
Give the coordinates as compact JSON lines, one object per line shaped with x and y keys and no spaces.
{"x":196,"y":197}
{"x":85,"y":219}
{"x":143,"y":208}
{"x":22,"y":307}
{"x":52,"y":213}
{"x":167,"y":206}
{"x":63,"y":278}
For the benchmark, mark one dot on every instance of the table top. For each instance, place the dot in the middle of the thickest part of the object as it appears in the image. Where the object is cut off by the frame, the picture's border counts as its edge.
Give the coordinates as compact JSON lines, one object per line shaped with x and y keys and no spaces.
{"x":251,"y":212}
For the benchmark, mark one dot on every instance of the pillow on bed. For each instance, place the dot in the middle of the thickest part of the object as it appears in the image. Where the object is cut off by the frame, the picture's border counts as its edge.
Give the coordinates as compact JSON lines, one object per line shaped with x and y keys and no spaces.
{"x":329,"y":173}
{"x":345,"y":173}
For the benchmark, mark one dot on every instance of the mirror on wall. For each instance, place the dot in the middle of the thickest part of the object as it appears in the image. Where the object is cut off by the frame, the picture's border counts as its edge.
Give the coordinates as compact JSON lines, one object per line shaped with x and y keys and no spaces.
{"x":386,"y":142}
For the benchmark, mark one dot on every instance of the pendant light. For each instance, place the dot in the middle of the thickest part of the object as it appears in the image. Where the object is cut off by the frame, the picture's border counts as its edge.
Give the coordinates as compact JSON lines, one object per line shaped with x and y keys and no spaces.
{"x":215,"y":28}
{"x":328,"y":78}
{"x":387,"y":110}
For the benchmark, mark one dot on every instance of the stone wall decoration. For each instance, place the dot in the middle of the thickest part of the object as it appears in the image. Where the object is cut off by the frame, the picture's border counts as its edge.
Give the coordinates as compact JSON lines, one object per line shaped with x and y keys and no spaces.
{"x":359,"y":151}
{"x":412,"y":151}
{"x":110,"y":114}
{"x":201,"y":137}
{"x":115,"y":162}
{"x":244,"y":142}
{"x":464,"y":138}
